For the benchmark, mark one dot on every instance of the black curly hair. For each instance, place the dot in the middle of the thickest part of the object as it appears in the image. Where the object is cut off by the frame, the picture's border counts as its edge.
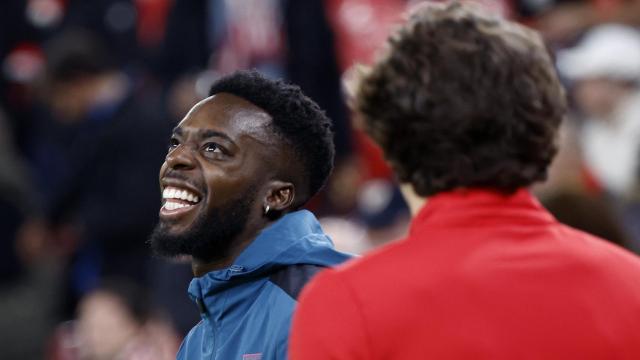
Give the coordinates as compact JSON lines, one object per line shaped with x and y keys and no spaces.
{"x":463,"y":99}
{"x":297,"y":119}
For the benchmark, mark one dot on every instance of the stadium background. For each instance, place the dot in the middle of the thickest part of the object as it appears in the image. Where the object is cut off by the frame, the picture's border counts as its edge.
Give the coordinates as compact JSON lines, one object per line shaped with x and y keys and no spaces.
{"x":90,"y":90}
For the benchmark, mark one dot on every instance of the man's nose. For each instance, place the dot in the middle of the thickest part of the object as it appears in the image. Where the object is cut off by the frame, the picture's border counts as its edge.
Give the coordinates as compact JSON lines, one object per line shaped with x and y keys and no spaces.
{"x":181,"y":157}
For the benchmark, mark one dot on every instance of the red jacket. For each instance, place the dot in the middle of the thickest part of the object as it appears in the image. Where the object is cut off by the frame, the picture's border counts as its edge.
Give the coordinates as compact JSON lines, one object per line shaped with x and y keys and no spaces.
{"x":480,"y":276}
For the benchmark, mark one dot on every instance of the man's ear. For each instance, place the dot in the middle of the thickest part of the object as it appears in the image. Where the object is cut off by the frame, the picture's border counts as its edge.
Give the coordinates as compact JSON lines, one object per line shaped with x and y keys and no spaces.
{"x":280,"y":196}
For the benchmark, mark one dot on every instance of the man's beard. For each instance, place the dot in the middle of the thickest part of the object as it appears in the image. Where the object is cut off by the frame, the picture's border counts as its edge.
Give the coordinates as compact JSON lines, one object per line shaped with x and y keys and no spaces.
{"x":211,"y":234}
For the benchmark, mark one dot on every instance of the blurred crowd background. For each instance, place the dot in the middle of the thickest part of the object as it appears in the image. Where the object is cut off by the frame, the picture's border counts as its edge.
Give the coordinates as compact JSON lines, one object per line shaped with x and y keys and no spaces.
{"x":90,"y":90}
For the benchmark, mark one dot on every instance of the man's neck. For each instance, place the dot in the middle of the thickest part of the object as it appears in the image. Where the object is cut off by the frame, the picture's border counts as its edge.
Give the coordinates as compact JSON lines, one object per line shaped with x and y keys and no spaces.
{"x":201,"y":267}
{"x":415,"y":201}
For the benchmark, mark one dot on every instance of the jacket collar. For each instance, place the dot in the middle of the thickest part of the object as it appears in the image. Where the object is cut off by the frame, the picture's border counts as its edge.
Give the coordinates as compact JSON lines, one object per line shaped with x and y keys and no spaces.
{"x":296,"y":238}
{"x":466,"y":208}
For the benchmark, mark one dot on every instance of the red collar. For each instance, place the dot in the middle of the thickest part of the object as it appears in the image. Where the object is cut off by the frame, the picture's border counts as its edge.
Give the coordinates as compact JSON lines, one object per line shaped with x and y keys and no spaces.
{"x":467,"y":208}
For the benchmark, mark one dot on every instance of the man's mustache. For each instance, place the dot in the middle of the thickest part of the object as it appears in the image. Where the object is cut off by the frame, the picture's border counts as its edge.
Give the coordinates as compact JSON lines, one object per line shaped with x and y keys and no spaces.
{"x":177,"y":175}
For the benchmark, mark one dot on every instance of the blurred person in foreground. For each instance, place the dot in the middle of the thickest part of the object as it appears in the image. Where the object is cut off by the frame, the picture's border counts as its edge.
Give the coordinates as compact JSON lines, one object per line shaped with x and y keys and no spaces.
{"x":240,"y":166}
{"x":466,"y":107}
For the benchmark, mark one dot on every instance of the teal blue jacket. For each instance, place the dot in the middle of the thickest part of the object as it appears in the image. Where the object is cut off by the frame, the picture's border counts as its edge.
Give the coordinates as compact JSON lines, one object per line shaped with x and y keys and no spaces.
{"x":246,"y":308}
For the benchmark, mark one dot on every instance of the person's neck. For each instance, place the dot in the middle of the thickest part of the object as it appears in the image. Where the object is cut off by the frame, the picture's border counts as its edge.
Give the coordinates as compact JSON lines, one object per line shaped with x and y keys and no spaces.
{"x":414,"y":201}
{"x":201,"y":267}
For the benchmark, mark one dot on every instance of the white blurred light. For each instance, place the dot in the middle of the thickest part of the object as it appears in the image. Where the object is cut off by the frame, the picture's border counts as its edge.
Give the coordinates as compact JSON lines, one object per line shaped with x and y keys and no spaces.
{"x":611,"y":51}
{"x":204,"y":81}
{"x":44,"y":13}
{"x":23,"y":65}
{"x":375,"y":196}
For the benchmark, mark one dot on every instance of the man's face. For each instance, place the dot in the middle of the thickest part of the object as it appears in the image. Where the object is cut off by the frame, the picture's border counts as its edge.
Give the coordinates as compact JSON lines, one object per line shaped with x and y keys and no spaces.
{"x":599,"y":97}
{"x":211,"y":177}
{"x":70,"y":100}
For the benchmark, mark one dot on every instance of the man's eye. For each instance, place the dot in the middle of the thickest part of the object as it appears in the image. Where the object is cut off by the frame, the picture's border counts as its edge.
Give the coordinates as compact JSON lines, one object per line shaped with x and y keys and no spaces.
{"x":212,"y":148}
{"x":173,"y":143}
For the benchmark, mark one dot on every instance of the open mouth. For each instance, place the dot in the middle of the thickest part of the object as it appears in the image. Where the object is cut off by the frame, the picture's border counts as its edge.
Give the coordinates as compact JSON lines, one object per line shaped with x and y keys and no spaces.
{"x":178,"y":200}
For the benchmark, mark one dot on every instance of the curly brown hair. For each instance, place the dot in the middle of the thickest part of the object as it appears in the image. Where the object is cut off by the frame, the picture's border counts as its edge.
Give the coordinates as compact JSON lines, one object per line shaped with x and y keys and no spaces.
{"x":460,"y":98}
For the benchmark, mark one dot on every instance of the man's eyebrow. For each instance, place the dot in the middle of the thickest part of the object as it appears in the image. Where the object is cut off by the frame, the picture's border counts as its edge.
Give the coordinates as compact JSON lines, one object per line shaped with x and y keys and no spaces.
{"x":177,"y":131}
{"x":203,"y":134}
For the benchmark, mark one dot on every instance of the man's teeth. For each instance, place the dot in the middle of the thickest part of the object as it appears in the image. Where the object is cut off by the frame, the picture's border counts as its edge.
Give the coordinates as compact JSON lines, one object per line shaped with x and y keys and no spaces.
{"x":172,"y":205}
{"x":175,"y":193}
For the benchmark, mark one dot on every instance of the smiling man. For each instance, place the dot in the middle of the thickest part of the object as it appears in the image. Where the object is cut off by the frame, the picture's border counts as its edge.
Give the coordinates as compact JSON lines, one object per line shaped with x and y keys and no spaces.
{"x":240,"y":166}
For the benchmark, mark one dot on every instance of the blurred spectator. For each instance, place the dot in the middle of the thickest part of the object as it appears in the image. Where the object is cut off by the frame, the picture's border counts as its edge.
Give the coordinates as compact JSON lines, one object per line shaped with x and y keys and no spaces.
{"x":381,"y":216}
{"x":115,"y":322}
{"x":29,"y":282}
{"x":604,"y":70}
{"x":593,"y":183}
{"x":561,"y":21}
{"x":16,"y":201}
{"x":361,"y":27}
{"x":97,"y":159}
{"x":130,"y":29}
{"x":573,"y":198}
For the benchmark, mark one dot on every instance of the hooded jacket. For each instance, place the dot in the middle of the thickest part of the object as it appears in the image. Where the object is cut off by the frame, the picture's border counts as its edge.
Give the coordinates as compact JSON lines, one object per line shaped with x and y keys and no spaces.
{"x":246,"y":309}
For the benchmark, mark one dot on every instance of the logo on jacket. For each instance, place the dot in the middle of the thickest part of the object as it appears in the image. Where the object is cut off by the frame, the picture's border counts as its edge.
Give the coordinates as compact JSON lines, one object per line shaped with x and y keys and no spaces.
{"x":256,"y":356}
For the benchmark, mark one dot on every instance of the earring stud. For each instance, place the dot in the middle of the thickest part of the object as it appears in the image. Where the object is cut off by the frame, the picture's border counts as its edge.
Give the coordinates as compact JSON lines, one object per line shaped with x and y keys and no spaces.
{"x":266,"y":210}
